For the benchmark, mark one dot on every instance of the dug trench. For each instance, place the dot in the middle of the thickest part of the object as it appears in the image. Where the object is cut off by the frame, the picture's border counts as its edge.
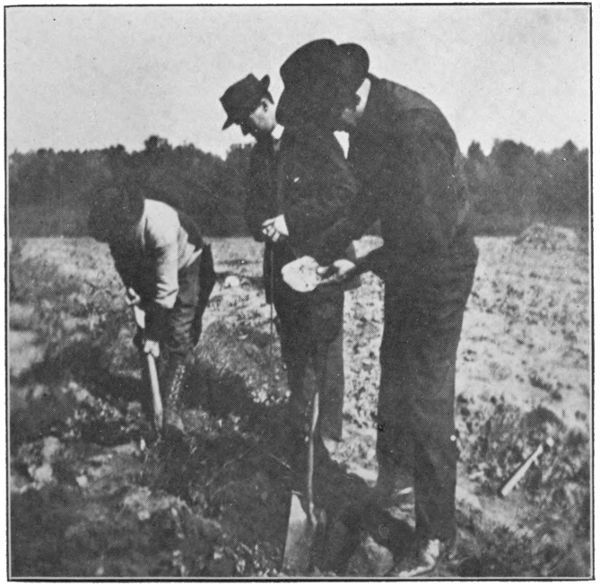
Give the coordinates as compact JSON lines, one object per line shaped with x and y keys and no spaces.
{"x":93,"y":496}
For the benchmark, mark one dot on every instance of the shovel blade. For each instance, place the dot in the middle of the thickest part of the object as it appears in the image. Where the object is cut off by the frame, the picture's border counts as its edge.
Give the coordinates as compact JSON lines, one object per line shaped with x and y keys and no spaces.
{"x":299,"y":540}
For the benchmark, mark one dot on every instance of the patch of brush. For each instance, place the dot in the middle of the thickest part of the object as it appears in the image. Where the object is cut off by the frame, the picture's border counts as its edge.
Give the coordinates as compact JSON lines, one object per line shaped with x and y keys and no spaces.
{"x":234,"y":371}
{"x":62,"y":531}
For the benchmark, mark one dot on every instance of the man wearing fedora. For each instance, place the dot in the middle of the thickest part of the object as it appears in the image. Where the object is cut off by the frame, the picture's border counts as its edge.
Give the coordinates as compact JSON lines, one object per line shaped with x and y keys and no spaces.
{"x":405,"y":156}
{"x":282,"y":203}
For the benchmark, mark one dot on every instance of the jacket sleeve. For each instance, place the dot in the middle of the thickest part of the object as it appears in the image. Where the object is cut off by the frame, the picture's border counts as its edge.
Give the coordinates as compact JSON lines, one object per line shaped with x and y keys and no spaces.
{"x":259,"y":204}
{"x":122,"y":266}
{"x":360,"y":214}
{"x":318,"y":187}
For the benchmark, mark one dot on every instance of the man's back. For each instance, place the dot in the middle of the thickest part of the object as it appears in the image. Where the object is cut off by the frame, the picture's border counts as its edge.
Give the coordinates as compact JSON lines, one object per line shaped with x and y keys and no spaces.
{"x":404,"y":154}
{"x":149,"y":255}
{"x":395,"y":116}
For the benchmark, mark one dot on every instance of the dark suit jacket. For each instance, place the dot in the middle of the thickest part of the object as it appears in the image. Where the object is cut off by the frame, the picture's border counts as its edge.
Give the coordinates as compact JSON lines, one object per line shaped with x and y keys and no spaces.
{"x":310,"y":182}
{"x":315,"y":185}
{"x":262,"y":204}
{"x":406,"y":157}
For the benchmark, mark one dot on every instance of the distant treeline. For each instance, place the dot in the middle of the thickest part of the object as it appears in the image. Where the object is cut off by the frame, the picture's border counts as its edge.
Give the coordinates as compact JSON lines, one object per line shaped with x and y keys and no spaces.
{"x":50,"y":192}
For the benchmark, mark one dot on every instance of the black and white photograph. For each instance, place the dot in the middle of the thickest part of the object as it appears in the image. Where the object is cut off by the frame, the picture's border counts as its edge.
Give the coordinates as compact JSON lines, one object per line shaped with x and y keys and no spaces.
{"x":298,"y":291}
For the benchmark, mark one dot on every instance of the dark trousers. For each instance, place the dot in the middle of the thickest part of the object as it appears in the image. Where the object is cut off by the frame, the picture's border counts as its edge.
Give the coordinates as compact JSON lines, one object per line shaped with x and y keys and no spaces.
{"x":184,"y":324}
{"x":311,"y":333}
{"x":422,"y":327}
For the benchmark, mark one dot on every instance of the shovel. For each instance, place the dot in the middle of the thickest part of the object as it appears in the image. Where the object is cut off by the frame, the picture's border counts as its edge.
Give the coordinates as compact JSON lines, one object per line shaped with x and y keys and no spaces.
{"x":152,"y":375}
{"x":520,"y":472}
{"x":302,"y":522}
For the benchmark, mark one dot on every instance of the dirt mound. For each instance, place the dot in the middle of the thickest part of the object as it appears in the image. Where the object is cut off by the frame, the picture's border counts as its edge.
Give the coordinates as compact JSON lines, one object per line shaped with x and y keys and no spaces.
{"x":236,"y":369}
{"x":542,"y":236}
{"x":79,"y":511}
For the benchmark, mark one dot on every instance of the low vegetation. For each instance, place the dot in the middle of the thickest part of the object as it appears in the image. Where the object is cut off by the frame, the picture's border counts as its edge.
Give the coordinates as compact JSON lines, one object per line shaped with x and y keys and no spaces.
{"x":92,"y":495}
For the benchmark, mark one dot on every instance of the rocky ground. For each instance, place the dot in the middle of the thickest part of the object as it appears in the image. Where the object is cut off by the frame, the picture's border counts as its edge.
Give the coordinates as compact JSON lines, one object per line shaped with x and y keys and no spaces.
{"x":91,"y":495}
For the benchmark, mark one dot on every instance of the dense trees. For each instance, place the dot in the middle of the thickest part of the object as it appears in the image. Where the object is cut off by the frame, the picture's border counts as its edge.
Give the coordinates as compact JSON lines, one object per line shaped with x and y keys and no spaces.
{"x":515,"y":186}
{"x":49,"y":192}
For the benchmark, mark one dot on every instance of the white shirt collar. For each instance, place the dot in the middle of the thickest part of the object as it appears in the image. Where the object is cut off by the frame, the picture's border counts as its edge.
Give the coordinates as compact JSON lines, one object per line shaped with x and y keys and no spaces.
{"x":277,"y":132}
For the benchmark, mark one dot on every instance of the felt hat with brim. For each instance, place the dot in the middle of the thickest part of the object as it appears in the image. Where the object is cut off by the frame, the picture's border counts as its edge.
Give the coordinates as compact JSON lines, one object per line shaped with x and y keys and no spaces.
{"x":242,"y":98}
{"x":320,"y":78}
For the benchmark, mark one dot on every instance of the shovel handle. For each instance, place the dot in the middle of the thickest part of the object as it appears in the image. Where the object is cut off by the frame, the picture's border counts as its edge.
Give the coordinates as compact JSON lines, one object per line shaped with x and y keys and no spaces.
{"x":150,"y":365}
{"x":521,"y":471}
{"x":156,"y":399}
{"x":311,"y":461}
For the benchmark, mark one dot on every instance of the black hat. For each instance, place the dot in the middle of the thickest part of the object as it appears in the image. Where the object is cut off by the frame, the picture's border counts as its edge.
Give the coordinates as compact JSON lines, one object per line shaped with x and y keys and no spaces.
{"x":318,"y":77}
{"x":241,"y":98}
{"x":354,"y":62}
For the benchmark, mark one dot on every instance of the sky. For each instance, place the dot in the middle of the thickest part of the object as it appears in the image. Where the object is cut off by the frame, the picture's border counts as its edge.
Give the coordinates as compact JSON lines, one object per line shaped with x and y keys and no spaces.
{"x":91,"y":77}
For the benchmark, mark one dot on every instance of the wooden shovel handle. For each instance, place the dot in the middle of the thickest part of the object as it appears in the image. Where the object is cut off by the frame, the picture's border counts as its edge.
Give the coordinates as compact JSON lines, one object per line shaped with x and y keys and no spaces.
{"x":521,"y":471}
{"x":311,"y":461}
{"x":155,"y":389}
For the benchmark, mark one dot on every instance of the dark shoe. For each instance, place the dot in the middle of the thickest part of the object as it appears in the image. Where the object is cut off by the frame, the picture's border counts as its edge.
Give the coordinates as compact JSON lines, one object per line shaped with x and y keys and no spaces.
{"x":173,"y":384}
{"x":425,"y":561}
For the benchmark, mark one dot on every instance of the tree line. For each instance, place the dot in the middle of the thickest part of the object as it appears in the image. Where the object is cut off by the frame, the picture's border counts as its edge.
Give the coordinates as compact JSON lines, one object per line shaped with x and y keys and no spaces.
{"x":50,"y":192}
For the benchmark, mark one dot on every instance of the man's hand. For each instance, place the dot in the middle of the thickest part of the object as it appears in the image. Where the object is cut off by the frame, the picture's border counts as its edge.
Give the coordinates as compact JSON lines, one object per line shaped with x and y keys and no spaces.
{"x":132,"y":298}
{"x":151,"y":347}
{"x":275,"y":228}
{"x":339,"y":271}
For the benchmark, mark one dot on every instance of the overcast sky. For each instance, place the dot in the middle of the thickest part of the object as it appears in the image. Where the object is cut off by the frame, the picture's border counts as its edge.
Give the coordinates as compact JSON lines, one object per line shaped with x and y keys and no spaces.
{"x":91,"y":77}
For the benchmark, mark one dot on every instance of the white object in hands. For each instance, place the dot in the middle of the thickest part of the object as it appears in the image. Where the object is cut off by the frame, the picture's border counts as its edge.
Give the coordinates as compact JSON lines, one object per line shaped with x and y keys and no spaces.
{"x":301,"y":274}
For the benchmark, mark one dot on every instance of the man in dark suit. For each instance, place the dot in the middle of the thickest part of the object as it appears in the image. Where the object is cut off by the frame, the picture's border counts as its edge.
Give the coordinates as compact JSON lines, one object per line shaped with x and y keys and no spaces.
{"x":405,"y":156}
{"x":287,"y":179}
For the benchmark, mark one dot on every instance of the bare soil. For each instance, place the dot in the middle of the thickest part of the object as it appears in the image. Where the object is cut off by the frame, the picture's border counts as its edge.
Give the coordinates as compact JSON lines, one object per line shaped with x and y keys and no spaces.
{"x":93,"y":496}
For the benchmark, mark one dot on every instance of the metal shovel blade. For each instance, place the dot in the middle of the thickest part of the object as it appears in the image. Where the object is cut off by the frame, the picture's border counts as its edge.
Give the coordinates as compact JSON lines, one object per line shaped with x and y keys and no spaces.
{"x":299,"y":539}
{"x":302,"y":521}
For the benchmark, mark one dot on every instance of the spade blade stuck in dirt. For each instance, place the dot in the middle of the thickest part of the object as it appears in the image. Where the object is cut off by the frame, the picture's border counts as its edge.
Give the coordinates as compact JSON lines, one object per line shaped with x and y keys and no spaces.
{"x":302,"y":522}
{"x":299,"y":539}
